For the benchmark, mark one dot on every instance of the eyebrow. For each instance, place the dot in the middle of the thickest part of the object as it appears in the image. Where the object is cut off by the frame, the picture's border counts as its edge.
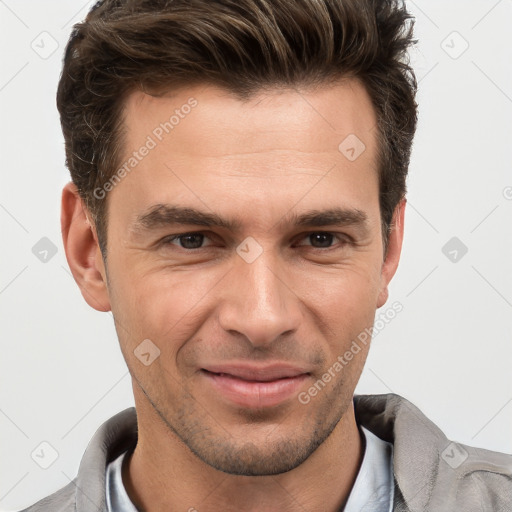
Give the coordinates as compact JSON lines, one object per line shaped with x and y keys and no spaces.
{"x":164,"y":215}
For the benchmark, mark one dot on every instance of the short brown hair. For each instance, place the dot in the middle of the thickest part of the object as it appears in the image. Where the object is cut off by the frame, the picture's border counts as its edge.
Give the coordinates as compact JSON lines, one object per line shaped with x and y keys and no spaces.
{"x":243,"y":46}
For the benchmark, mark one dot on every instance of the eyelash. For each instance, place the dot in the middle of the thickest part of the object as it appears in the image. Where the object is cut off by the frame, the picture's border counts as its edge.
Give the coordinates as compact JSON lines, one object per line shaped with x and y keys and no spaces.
{"x":342,"y":239}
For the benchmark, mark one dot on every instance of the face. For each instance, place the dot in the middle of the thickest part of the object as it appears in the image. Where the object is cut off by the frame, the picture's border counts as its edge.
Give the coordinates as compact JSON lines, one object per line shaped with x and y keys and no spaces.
{"x":245,"y":247}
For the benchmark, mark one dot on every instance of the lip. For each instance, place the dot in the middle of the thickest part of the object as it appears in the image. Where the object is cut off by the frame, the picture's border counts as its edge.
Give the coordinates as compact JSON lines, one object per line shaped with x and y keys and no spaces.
{"x":262,"y":373}
{"x":256,"y":387}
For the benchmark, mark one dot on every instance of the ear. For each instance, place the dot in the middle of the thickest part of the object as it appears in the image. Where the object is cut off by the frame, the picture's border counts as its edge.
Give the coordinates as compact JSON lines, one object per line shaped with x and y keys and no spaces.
{"x":82,"y":249}
{"x":394,"y":250}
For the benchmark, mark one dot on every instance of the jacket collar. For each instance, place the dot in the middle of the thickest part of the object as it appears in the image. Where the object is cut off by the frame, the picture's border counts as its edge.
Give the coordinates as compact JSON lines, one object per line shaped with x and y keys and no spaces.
{"x":416,"y":453}
{"x":417,"y":445}
{"x":114,"y":437}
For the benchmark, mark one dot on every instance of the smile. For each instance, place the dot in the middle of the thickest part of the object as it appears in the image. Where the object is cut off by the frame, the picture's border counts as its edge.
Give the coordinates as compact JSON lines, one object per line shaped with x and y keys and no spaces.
{"x":255,"y":393}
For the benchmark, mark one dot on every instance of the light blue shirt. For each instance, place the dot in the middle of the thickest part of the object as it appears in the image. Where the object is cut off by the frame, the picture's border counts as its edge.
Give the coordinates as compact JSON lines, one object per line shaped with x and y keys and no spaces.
{"x":373,"y":489}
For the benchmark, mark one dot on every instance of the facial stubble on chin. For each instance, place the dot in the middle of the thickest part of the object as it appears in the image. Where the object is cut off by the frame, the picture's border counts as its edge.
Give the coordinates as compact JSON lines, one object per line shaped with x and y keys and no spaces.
{"x":196,"y":428}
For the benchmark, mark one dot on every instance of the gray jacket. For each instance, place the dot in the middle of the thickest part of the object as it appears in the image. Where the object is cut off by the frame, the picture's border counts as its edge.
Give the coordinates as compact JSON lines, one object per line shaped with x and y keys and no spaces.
{"x":431,"y":473}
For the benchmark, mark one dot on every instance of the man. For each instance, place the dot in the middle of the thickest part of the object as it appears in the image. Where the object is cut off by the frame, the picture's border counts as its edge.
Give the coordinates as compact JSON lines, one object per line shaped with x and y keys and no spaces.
{"x":237,"y":201}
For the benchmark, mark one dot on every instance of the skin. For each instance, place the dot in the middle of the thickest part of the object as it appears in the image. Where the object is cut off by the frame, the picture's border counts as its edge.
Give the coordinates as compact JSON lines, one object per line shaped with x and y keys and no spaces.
{"x":301,"y":301}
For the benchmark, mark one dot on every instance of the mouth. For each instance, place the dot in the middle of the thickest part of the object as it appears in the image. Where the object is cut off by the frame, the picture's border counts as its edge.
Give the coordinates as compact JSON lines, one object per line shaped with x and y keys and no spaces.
{"x":251,"y":388}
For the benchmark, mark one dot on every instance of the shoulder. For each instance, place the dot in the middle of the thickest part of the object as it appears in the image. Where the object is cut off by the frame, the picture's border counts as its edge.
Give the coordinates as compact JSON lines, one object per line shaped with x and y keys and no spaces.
{"x":116,"y":435}
{"x":431,"y":471}
{"x":61,"y":501}
{"x":478,"y":476}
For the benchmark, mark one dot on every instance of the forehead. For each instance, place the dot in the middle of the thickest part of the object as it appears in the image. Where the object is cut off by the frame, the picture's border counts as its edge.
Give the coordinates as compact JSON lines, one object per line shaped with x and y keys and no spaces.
{"x":218,"y":123}
{"x":210,"y":149}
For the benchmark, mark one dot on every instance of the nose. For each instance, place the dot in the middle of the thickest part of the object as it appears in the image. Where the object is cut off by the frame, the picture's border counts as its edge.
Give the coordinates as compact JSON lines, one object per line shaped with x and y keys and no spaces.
{"x":258,"y":302}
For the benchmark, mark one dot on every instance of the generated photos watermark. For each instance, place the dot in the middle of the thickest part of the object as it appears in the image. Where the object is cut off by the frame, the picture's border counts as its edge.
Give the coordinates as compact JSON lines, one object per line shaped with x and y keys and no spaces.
{"x":362,"y":339}
{"x":152,"y":141}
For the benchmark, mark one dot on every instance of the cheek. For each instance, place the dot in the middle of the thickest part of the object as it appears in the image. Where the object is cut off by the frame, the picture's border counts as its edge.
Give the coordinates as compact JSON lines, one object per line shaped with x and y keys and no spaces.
{"x":342,"y":307}
{"x":161,"y":306}
{"x":341,"y":294}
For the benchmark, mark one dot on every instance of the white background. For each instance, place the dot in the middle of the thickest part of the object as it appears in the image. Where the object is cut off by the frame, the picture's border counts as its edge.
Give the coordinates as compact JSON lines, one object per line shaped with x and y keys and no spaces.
{"x":449,"y":350}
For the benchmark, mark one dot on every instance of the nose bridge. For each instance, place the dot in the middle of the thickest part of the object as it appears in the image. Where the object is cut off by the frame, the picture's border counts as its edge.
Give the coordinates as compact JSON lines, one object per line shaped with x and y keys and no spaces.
{"x":258,"y":302}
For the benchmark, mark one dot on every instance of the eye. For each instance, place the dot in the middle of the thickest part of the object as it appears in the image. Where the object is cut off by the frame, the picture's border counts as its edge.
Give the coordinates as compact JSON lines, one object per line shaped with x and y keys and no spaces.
{"x":195,"y":240}
{"x":323,"y":240}
{"x":187,"y":241}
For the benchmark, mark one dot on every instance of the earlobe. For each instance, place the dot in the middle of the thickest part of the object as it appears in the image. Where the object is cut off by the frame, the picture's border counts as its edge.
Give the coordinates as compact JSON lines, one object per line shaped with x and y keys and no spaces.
{"x":82,"y":250}
{"x":393,"y":252}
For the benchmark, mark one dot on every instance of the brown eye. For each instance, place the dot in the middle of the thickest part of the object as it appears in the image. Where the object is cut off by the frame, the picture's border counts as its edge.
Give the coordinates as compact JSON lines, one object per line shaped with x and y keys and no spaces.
{"x":186,"y":240}
{"x":321,"y":240}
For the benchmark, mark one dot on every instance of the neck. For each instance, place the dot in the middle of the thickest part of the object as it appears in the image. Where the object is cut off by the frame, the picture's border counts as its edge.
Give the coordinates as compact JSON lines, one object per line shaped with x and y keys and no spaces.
{"x":163,"y":474}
